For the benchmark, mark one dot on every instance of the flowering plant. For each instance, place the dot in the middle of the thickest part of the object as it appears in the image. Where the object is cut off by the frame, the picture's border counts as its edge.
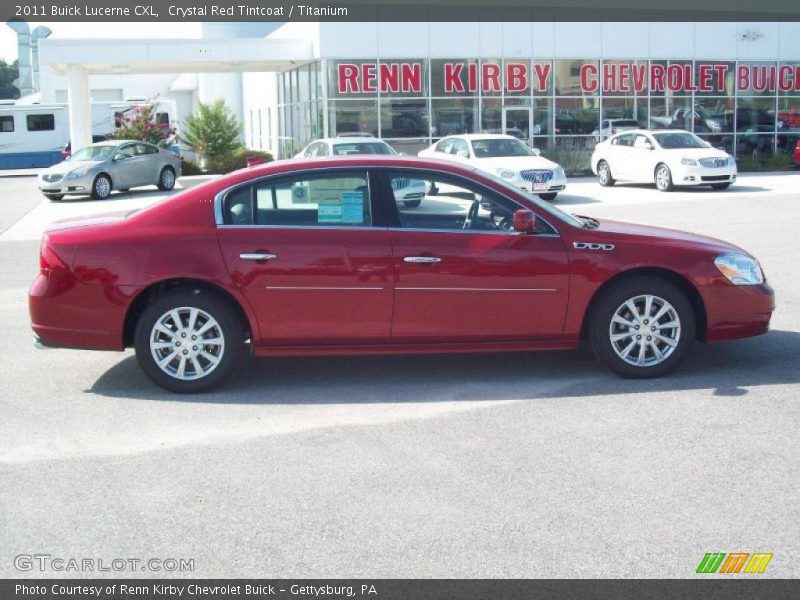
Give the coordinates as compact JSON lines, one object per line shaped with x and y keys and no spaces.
{"x":142,"y":122}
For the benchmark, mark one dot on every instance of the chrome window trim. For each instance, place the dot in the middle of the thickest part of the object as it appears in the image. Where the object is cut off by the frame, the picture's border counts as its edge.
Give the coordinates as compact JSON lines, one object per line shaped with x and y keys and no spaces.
{"x":219,"y":198}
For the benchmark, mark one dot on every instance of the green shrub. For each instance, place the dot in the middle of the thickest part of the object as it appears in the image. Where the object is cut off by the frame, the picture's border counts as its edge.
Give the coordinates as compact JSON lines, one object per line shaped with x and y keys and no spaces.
{"x":214,"y":132}
{"x":235,"y":160}
{"x":189,"y":167}
{"x":772,"y":162}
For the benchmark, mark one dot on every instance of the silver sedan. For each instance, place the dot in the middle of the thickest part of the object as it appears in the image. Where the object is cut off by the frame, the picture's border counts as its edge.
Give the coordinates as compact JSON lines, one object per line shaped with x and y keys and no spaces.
{"x":99,"y":168}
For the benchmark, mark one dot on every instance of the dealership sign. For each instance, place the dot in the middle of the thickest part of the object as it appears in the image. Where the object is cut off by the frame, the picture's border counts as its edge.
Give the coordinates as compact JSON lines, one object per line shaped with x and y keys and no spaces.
{"x":610,"y":77}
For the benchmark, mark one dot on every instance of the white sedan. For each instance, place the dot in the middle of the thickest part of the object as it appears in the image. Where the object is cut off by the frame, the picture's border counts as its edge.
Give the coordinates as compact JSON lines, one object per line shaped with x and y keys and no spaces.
{"x":503,"y":156}
{"x":666,"y":157}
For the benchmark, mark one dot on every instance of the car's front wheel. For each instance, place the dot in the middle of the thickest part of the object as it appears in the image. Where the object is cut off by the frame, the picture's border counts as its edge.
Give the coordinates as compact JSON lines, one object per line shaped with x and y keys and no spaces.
{"x":664,"y":178}
{"x":101,"y":188}
{"x":188,"y":341}
{"x":642,"y":328}
{"x":166,"y":179}
{"x":549,"y":197}
{"x":604,"y":174}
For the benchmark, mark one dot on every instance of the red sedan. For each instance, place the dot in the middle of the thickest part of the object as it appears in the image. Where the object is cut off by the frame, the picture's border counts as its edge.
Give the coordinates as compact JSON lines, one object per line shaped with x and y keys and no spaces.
{"x":323,"y":257}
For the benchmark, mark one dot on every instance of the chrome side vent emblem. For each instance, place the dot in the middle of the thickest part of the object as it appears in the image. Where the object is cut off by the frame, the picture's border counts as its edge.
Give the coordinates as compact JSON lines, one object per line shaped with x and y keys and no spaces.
{"x":592,"y":246}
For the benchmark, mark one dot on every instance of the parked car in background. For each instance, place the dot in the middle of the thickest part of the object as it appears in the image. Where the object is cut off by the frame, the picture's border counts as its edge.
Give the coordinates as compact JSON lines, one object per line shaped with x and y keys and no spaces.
{"x":409,"y":192}
{"x":790,"y":116}
{"x":666,"y":157}
{"x":99,"y":168}
{"x":504,"y":156}
{"x":613,"y":126}
{"x":240,"y":261}
{"x":345,"y":144}
{"x":66,"y":152}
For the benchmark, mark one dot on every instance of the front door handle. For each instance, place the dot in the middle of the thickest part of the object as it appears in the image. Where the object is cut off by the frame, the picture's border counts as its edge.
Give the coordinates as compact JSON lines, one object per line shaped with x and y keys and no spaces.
{"x":257,"y":256}
{"x":422,"y":260}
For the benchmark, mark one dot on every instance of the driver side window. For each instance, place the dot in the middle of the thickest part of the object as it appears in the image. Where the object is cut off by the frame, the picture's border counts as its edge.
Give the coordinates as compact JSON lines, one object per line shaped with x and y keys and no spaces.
{"x":435,"y":201}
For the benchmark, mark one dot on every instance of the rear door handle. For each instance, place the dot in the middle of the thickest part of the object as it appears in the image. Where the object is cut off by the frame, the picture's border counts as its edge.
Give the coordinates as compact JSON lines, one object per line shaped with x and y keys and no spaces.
{"x":257,"y":256}
{"x":422,"y":260}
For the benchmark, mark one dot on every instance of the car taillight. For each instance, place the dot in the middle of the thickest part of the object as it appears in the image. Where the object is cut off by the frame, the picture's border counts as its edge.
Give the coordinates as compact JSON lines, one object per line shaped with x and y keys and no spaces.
{"x":49,"y":260}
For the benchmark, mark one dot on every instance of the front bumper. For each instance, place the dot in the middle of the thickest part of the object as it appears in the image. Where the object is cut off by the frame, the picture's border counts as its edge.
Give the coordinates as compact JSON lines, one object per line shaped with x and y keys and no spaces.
{"x":698,"y":175}
{"x":79,"y":185}
{"x":738,"y":311}
{"x":555,"y":184}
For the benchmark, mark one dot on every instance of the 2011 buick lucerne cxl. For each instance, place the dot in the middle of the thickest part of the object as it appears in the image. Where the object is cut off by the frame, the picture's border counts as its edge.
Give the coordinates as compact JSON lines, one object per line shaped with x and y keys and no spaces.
{"x":305,"y":257}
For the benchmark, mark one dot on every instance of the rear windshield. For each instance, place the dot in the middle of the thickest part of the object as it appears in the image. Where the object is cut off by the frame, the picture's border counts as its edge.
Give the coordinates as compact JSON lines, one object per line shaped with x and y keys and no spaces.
{"x":363,"y":148}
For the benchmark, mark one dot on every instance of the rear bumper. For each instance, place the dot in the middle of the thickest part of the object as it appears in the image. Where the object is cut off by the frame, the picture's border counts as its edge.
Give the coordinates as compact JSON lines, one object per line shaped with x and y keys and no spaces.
{"x":66,"y":313}
{"x":736,"y":312}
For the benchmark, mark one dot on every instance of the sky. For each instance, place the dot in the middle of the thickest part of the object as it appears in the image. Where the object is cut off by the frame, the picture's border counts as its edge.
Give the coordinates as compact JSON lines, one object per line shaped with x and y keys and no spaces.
{"x":8,"y":39}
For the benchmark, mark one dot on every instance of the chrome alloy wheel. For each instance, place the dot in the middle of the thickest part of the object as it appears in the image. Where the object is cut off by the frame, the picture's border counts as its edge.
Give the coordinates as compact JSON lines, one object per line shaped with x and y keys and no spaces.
{"x":102,"y":187}
{"x":662,"y":177}
{"x":187,"y":343}
{"x":167,"y":178}
{"x":603,"y":173}
{"x":645,"y":330}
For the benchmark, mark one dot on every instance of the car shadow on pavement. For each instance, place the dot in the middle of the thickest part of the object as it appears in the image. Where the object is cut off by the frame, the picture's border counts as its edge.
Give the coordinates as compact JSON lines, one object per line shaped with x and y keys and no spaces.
{"x":697,"y":189}
{"x":567,"y":199}
{"x":728,"y":369}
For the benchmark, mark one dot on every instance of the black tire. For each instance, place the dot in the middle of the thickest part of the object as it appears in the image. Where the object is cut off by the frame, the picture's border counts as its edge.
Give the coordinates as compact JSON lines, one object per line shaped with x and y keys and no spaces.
{"x":54,"y":197}
{"x":663,"y":177}
{"x":99,"y":190}
{"x":604,"y":174}
{"x":230,"y":329}
{"x":412,"y":203}
{"x":166,"y":179}
{"x":721,"y":186}
{"x":600,"y":327}
{"x":549,"y":197}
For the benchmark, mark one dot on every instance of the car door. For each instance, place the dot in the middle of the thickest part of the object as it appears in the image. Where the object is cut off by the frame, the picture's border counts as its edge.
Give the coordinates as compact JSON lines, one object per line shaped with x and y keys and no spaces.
{"x":123,"y":169}
{"x":620,"y":157}
{"x":462,"y":273}
{"x":308,"y":253}
{"x":150,"y":163}
{"x":642,"y":159}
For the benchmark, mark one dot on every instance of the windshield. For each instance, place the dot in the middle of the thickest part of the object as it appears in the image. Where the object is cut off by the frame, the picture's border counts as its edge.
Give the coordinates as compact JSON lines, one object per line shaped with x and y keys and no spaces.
{"x":545,"y":206}
{"x":491,"y":148}
{"x":363,"y":148}
{"x":93,"y":153}
{"x":682,"y":139}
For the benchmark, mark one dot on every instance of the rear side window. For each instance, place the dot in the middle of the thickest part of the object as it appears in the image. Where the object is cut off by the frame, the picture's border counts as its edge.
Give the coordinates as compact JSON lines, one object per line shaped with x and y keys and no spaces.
{"x":43,"y":122}
{"x":6,"y":124}
{"x":339,"y":199}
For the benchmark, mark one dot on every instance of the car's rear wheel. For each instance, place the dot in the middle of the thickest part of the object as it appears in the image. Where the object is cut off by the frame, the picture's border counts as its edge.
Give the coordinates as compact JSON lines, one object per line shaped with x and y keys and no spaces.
{"x":412,"y":203}
{"x":604,"y":174}
{"x":721,"y":186}
{"x":166,"y":179}
{"x":664,"y":178}
{"x":188,"y":341}
{"x":549,"y":197}
{"x":642,"y":328}
{"x":54,"y":196}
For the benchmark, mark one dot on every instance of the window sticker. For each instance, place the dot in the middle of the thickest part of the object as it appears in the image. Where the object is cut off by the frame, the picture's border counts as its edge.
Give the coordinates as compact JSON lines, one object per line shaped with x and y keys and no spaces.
{"x":352,"y":207}
{"x":329,"y":212}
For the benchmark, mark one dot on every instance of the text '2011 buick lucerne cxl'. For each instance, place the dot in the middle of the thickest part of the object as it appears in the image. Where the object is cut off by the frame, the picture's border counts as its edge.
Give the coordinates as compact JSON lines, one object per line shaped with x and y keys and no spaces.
{"x":305,"y":257}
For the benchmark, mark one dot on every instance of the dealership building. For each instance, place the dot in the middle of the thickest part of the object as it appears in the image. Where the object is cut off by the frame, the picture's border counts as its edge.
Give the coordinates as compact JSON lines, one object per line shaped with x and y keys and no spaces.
{"x":558,"y":85}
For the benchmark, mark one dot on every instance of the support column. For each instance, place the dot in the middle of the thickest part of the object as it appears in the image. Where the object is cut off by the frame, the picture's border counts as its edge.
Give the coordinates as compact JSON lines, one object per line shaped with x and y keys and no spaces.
{"x":79,"y":107}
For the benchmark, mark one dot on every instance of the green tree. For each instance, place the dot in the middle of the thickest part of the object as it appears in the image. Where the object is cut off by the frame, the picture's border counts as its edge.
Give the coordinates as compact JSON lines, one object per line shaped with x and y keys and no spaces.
{"x":213,"y":132}
{"x":8,"y":73}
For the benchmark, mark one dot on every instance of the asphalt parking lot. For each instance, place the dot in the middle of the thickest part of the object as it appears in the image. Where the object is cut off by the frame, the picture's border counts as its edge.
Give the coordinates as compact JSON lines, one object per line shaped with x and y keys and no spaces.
{"x":503,"y":465}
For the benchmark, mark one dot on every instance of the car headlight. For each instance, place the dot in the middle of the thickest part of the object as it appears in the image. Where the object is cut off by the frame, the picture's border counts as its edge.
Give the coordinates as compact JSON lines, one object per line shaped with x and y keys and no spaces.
{"x":740,"y":269}
{"x":689,"y":162}
{"x":558,"y":173}
{"x":506,"y":173}
{"x":77,"y":173}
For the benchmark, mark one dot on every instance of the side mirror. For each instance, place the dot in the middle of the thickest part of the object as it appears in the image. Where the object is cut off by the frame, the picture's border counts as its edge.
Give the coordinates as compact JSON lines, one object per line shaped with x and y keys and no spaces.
{"x":536,"y":152}
{"x":648,"y":146}
{"x":524,"y":221}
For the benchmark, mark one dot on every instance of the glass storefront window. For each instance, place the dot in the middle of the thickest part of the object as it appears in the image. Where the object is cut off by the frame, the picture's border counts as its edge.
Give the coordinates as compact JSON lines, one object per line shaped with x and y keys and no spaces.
{"x":624,"y":77}
{"x":670,"y":113}
{"x":788,"y":79}
{"x":576,"y":116}
{"x":353,"y":116}
{"x":754,"y":145}
{"x":491,"y":77}
{"x":628,"y":108}
{"x":454,"y":77}
{"x":577,"y":77}
{"x":402,"y":77}
{"x":713,"y":78}
{"x":451,"y":117}
{"x":755,"y":115}
{"x":670,"y":78}
{"x":756,"y":78}
{"x":788,"y":116}
{"x":404,"y":118}
{"x":712,"y":115}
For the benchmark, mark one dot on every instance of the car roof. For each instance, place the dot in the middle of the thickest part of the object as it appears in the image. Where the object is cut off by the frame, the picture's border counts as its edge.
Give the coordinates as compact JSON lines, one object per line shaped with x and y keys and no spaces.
{"x":349,"y":140}
{"x":650,"y":131}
